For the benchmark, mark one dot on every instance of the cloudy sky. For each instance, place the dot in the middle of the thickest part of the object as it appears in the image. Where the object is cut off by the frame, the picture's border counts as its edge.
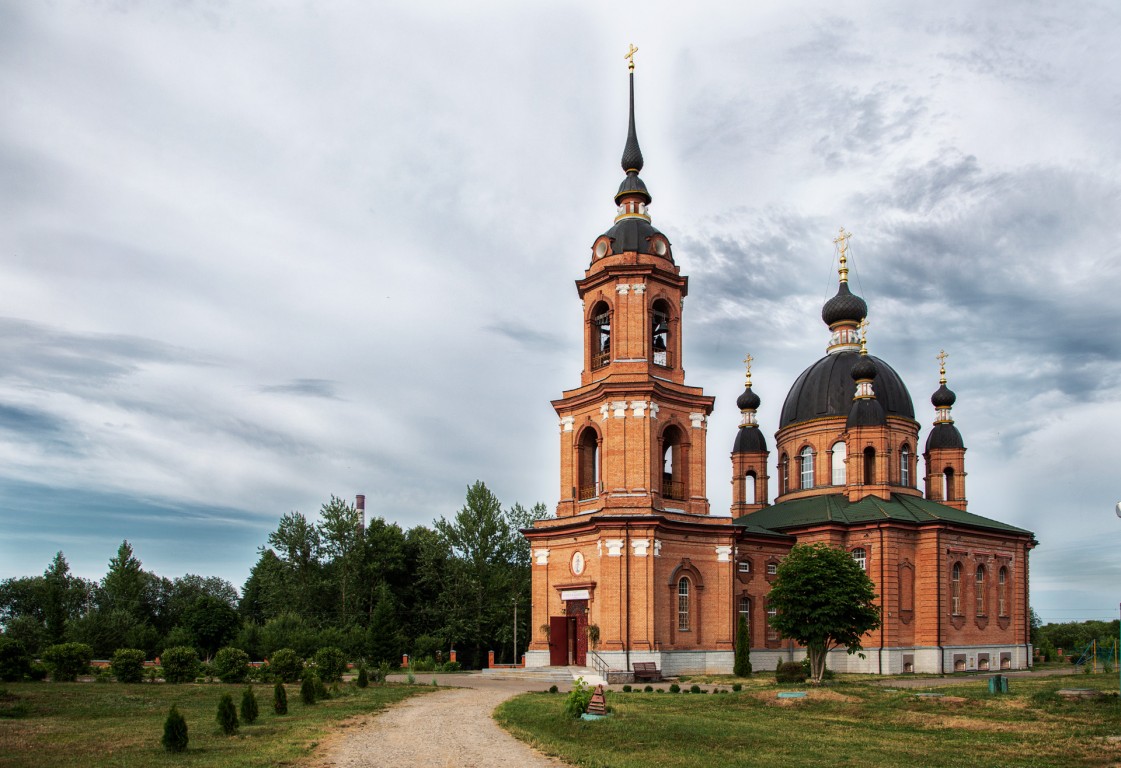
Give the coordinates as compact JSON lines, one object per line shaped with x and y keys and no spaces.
{"x":253,"y":254}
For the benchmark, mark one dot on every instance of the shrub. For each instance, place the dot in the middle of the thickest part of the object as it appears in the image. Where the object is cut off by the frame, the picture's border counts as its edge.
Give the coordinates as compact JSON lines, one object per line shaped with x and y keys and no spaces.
{"x":424,"y":664}
{"x":231,"y":665}
{"x":279,"y":699}
{"x":174,"y":731}
{"x":102,"y":675}
{"x":552,"y":689}
{"x":128,"y":665}
{"x":227,"y":715}
{"x":68,"y":660}
{"x":15,"y":662}
{"x":307,"y":688}
{"x":648,"y":689}
{"x":790,"y":672}
{"x":249,"y":710}
{"x":674,"y":688}
{"x":383,"y":671}
{"x":578,"y":698}
{"x":451,"y":666}
{"x":330,"y":663}
{"x":38,"y":671}
{"x":180,"y":664}
{"x":826,"y":674}
{"x":363,"y":679}
{"x":742,"y":664}
{"x":320,"y":688}
{"x":286,"y":665}
{"x":737,"y":687}
{"x":626,"y":689}
{"x":694,"y":688}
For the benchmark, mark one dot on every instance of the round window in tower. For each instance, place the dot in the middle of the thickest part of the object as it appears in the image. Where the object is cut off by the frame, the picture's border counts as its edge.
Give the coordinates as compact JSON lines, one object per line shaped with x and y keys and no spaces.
{"x":660,"y":247}
{"x":601,"y":249}
{"x":577,"y":563}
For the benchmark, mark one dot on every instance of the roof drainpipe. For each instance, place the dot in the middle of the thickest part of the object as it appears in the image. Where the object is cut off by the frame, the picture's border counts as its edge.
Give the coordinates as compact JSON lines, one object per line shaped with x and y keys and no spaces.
{"x":938,"y":582}
{"x":627,"y":557}
{"x":883,"y":601}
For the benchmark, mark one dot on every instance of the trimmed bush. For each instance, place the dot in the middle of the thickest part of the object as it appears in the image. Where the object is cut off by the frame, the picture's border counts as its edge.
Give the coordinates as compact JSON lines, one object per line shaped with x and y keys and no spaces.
{"x":737,"y":687}
{"x":674,"y":688}
{"x":363,"y":679}
{"x":15,"y":661}
{"x":286,"y":665}
{"x":279,"y":699}
{"x":694,"y":688}
{"x":451,"y":666}
{"x":307,"y":688}
{"x":742,"y":665}
{"x":330,"y":663}
{"x":249,"y":710}
{"x":231,"y":665}
{"x":68,"y":660}
{"x":553,"y":689}
{"x":180,"y":664}
{"x":227,"y":715}
{"x":38,"y":671}
{"x":128,"y":665}
{"x":626,"y":689}
{"x":320,"y":689}
{"x":790,"y":672}
{"x":174,"y":731}
{"x":648,"y":689}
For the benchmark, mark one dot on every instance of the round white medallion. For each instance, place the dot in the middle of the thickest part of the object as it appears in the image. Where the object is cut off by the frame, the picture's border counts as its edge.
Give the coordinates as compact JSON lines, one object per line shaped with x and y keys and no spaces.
{"x":601,"y":249}
{"x":577,"y":563}
{"x":660,"y":247}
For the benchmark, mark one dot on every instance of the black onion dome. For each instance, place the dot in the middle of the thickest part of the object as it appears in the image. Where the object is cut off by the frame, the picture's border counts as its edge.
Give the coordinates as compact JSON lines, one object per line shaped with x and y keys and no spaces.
{"x":864,"y":369}
{"x":748,"y":400}
{"x":866,"y":412}
{"x":750,"y":440}
{"x":943,"y":398}
{"x":633,"y":234}
{"x":826,"y":389}
{"x":632,"y":185}
{"x":944,"y":436}
{"x":844,"y":306}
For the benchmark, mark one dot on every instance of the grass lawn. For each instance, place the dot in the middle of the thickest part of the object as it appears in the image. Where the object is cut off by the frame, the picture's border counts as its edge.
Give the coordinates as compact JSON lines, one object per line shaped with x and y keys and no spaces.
{"x":92,"y":725}
{"x":849,"y":723}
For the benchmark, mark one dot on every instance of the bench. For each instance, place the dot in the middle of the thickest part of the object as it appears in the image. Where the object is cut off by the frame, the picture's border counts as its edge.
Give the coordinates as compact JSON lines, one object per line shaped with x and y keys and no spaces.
{"x":647,"y":670}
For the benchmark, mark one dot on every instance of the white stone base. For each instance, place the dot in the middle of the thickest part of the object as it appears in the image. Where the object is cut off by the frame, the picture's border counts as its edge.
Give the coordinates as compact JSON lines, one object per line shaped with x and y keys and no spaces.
{"x":671,"y":663}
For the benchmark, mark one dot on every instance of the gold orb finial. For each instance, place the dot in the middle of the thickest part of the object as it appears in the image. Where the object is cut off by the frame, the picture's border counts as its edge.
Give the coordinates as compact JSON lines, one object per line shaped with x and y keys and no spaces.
{"x":842,"y":242}
{"x":747,"y":361}
{"x":629,"y":56}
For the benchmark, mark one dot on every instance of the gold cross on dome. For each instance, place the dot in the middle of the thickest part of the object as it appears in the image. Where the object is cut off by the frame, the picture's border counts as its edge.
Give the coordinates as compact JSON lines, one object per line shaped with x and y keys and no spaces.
{"x":842,"y":242}
{"x":864,"y":336}
{"x":747,"y":361}
{"x":941,"y":356}
{"x":629,"y":56}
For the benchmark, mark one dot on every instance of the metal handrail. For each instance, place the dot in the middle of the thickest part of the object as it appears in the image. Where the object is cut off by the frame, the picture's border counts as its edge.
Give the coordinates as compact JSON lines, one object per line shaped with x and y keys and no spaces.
{"x":600,"y":665}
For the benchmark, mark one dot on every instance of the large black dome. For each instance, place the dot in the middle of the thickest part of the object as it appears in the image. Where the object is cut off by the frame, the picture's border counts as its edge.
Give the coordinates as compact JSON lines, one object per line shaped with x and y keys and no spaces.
{"x":749,"y":440}
{"x":826,"y":389}
{"x":632,"y":234}
{"x":944,"y":436}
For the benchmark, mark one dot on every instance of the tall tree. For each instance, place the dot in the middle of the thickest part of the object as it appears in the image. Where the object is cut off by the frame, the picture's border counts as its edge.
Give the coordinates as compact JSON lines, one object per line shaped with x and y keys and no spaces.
{"x":824,"y":600}
{"x":297,"y":543}
{"x":124,"y":587}
{"x":340,"y":532}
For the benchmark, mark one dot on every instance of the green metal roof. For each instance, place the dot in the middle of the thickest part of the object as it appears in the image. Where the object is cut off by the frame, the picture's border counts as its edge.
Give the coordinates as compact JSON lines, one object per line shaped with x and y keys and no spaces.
{"x":835,"y":508}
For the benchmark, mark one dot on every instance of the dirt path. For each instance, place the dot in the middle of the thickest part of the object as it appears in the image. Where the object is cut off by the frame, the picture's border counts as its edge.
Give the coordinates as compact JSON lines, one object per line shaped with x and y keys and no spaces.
{"x":452,"y":727}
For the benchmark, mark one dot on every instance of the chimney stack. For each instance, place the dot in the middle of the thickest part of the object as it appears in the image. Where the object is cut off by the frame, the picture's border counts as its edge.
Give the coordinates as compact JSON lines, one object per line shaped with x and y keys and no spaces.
{"x":360,"y":504}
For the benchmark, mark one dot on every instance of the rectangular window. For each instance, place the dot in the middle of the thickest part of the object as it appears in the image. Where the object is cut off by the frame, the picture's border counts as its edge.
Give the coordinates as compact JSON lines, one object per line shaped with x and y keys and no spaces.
{"x":772,"y":569}
{"x":772,"y":633}
{"x":683,"y":605}
{"x":745,"y":566}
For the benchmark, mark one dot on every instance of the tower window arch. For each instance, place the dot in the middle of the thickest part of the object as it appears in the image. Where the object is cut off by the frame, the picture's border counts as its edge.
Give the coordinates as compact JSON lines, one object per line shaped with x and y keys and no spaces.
{"x":1002,"y":591}
{"x":905,"y":466}
{"x":660,"y":333}
{"x":806,"y":462}
{"x":588,"y":464}
{"x":683,"y":604}
{"x":860,"y":555}
{"x":749,"y":488}
{"x":839,"y":454}
{"x":955,"y":589}
{"x":745,"y":608}
{"x":784,"y":472}
{"x":980,"y":590}
{"x":673,"y":464}
{"x":600,"y":334}
{"x":948,"y":484}
{"x":869,"y":465}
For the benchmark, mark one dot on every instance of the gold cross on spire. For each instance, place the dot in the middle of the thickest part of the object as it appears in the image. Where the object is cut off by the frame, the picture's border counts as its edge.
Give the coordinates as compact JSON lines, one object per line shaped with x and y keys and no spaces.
{"x":747,"y":361}
{"x":630,"y":57}
{"x":941,"y":356}
{"x":864,"y":336}
{"x":842,"y":242}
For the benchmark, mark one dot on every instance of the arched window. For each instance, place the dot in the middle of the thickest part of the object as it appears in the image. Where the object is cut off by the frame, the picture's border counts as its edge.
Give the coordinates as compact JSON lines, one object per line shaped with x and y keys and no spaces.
{"x":588,"y":464}
{"x":948,"y":484}
{"x":745,"y":608}
{"x":980,"y":590}
{"x":861,"y":558}
{"x":683,"y":604}
{"x":600,"y":341}
{"x":905,"y":466}
{"x":673,"y":464}
{"x":1002,"y":592}
{"x":659,"y":334}
{"x":749,"y":488}
{"x":869,"y":465}
{"x":840,"y":452}
{"x":955,"y":589}
{"x":784,"y":472}
{"x":772,"y":633}
{"x":806,"y":459}
{"x":906,"y":587}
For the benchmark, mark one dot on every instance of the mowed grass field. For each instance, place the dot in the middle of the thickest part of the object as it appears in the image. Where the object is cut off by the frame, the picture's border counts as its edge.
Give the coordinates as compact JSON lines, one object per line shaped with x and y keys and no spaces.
{"x":848,"y":723}
{"x":92,"y":725}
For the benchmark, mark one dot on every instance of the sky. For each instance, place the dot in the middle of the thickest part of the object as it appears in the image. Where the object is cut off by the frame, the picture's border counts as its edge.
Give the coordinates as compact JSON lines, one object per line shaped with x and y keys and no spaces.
{"x":255,"y":254}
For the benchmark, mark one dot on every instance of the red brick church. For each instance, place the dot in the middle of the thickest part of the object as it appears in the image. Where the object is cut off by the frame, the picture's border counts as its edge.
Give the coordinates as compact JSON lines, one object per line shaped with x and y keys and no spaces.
{"x":635,"y":567}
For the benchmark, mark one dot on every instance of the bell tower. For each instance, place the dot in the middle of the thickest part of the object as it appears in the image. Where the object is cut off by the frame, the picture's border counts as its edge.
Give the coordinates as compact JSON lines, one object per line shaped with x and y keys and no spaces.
{"x":633,"y":433}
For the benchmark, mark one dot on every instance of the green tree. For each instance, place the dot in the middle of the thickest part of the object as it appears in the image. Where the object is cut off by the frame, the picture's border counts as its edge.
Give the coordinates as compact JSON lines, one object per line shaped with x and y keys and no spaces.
{"x":286,"y":665}
{"x":227,"y":715}
{"x":124,"y":586}
{"x":212,"y":622}
{"x":180,"y":664}
{"x":824,"y":600}
{"x":330,"y":664}
{"x":742,"y":664}
{"x":249,"y":709}
{"x":128,"y":665}
{"x":279,"y":699}
{"x":231,"y":665}
{"x":15,"y":661}
{"x":298,"y":544}
{"x":67,"y":660}
{"x":174,"y":731}
{"x":340,"y":535}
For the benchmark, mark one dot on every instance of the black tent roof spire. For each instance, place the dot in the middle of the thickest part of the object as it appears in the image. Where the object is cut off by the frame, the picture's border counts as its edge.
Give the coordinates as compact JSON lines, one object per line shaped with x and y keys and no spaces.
{"x":632,"y":154}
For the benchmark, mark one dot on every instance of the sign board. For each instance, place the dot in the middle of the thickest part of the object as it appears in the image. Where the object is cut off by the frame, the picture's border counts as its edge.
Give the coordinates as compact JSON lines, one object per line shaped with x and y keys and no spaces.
{"x":575,"y":594}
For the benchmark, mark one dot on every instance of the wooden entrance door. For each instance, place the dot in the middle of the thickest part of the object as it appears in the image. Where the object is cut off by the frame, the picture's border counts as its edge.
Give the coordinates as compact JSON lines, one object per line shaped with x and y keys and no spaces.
{"x":577,"y":611}
{"x":558,"y":641}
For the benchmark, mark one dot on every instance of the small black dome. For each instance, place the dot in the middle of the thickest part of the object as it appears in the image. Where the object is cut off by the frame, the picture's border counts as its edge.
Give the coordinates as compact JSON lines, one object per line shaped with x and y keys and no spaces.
{"x":826,"y":389}
{"x":943,"y":398}
{"x":750,"y":440}
{"x":944,"y":436}
{"x":844,"y":306}
{"x":633,"y":185}
{"x":747,"y":400}
{"x":866,"y":412}
{"x":632,"y":234}
{"x":864,"y":369}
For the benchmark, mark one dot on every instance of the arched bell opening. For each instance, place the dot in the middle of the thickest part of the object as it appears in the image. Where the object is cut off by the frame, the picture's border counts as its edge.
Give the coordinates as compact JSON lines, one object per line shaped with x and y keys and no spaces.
{"x":660,"y":350}
{"x":587,"y":464}
{"x":674,"y":475}
{"x":599,"y":330}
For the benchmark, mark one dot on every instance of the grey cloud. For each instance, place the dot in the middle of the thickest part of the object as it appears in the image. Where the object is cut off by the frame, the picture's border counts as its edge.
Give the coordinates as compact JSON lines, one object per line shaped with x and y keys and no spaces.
{"x":524,"y":335}
{"x":324,"y":388}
